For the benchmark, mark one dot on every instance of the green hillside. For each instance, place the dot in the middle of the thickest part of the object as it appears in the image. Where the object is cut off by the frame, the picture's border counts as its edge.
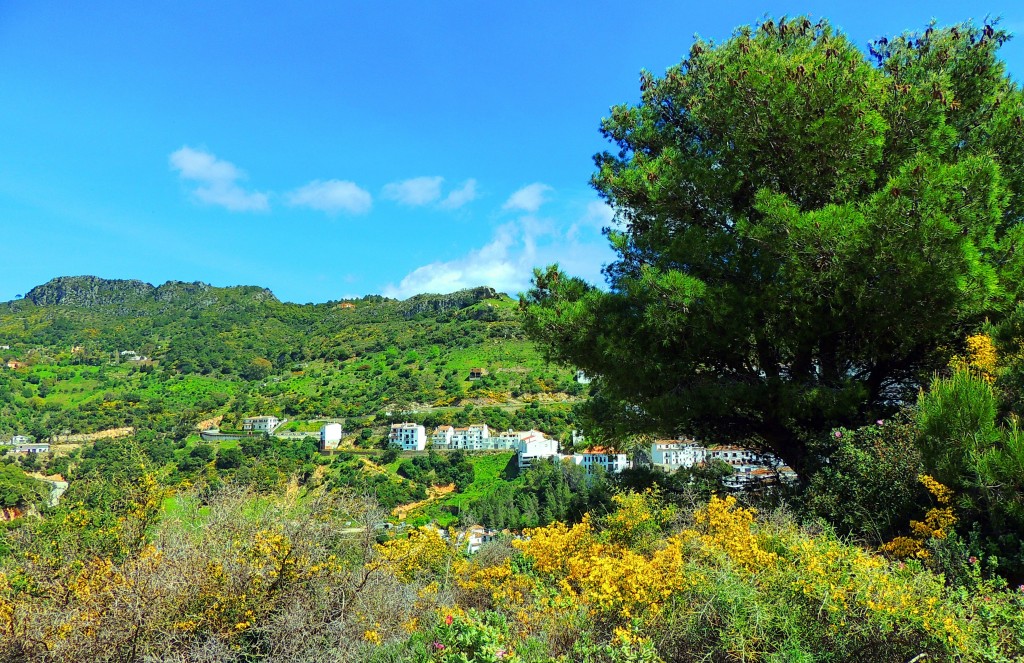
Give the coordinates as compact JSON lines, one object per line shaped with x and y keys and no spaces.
{"x":201,"y":351}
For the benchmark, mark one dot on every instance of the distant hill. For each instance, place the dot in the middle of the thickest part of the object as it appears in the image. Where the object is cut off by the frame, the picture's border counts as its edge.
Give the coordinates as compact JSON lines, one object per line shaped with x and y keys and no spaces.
{"x":92,"y":291}
{"x":104,"y":353}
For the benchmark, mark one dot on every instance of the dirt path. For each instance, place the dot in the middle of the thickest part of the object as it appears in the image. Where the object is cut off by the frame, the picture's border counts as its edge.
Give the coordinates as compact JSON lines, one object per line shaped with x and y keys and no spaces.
{"x":433,"y":493}
{"x":79,"y":438}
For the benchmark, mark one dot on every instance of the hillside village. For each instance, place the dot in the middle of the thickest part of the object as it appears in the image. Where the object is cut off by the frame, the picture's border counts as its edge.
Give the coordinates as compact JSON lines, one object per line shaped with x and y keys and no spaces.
{"x":750,"y":468}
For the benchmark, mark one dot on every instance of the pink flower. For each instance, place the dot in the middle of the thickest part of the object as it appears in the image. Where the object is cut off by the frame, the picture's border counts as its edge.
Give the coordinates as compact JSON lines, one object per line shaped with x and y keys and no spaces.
{"x":438,"y":646}
{"x":448,"y":620}
{"x":972,"y":559}
{"x":880,"y":422}
{"x":1020,"y":588}
{"x":500,"y":654}
{"x":838,"y":434}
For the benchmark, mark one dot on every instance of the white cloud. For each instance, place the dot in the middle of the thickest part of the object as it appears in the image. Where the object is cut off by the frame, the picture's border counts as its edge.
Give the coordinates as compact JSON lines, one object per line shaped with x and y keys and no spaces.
{"x":415,"y":192}
{"x":529,"y":198}
{"x":506,"y":262}
{"x":217,"y":181}
{"x":332,"y":196}
{"x":459,"y":197}
{"x":598,"y":216}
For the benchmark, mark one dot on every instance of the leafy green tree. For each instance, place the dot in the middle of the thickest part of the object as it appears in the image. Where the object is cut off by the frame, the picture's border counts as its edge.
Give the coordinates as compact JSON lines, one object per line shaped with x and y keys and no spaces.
{"x":257,"y":369}
{"x":19,"y":489}
{"x":870,"y":487}
{"x":390,"y":454}
{"x":804,"y":233}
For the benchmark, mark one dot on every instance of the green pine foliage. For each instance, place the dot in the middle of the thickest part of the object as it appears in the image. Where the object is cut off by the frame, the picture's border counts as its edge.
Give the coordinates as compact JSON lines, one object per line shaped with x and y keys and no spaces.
{"x":805,"y":233}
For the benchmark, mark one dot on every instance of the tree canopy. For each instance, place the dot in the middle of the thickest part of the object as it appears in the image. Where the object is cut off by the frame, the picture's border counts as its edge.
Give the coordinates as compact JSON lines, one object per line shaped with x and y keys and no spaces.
{"x":804,"y":232}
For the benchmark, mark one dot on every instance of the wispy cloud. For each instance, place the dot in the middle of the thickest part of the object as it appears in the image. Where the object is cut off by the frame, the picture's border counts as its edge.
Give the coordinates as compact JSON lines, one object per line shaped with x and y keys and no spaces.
{"x":529,"y":198}
{"x":332,"y":196}
{"x":598,"y":216}
{"x":414,"y":192}
{"x":217,"y":181}
{"x":506,"y":262}
{"x":459,"y":197}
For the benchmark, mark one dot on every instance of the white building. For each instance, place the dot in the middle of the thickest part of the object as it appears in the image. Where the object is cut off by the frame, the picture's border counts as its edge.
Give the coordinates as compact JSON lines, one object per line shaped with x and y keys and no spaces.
{"x":472,"y":438}
{"x":442,"y":437}
{"x":740,"y":458}
{"x":612,"y":462}
{"x":31,"y":448}
{"x":20,"y":439}
{"x":330,"y":436}
{"x":508,"y":439}
{"x":532,"y":445}
{"x":754,"y":476}
{"x":671,"y":455}
{"x":476,"y":536}
{"x":264,"y":424}
{"x":411,"y":437}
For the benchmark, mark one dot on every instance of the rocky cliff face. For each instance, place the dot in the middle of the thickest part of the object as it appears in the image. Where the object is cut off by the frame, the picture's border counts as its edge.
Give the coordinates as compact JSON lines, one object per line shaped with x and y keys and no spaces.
{"x":434,"y":304}
{"x":173,"y":291}
{"x":92,"y":291}
{"x":88,"y":291}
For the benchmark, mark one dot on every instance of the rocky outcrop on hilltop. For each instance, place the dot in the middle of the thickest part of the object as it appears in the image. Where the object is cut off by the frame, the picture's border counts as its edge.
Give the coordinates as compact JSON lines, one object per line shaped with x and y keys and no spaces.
{"x":433,"y":304}
{"x":88,"y":291}
{"x":92,"y":292}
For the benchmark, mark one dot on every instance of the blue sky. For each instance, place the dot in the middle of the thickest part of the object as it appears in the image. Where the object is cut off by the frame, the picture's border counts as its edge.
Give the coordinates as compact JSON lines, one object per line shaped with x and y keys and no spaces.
{"x":332,"y":149}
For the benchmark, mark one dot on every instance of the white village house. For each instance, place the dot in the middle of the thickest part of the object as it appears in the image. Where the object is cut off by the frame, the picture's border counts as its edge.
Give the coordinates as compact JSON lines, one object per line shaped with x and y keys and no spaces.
{"x":671,"y":455}
{"x":528,"y":445}
{"x":263,"y":424}
{"x":475,"y":437}
{"x":442,"y":437}
{"x":23,"y":444}
{"x":410,"y":436}
{"x":531,"y":445}
{"x":609,"y":460}
{"x":32,"y":448}
{"x":749,"y":467}
{"x":330,"y":436}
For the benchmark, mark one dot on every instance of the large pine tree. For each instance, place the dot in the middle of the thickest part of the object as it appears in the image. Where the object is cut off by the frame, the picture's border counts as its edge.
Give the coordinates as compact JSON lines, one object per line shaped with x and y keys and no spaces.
{"x":804,"y":232}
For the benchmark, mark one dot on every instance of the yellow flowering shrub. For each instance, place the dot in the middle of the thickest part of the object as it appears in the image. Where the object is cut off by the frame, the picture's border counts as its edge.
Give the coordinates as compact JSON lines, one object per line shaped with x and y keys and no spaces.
{"x":638,"y":520}
{"x":724,"y":527}
{"x":736,"y":583}
{"x":851,"y":589}
{"x":553,"y":546}
{"x":936,"y":524}
{"x":597,"y":571}
{"x":421,"y":552}
{"x":981,"y":355}
{"x":730,"y":586}
{"x":982,"y":358}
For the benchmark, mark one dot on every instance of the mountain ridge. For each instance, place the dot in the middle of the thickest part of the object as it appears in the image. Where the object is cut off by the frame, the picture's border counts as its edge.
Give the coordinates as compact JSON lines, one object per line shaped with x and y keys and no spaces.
{"x":89,"y":291}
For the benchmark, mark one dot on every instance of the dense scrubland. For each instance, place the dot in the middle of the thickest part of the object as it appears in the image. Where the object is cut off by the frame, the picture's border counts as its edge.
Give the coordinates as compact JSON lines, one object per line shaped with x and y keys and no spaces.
{"x":818,"y":257}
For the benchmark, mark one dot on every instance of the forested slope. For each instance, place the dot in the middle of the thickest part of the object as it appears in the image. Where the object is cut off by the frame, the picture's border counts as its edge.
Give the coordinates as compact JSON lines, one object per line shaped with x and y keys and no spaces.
{"x":239,"y":350}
